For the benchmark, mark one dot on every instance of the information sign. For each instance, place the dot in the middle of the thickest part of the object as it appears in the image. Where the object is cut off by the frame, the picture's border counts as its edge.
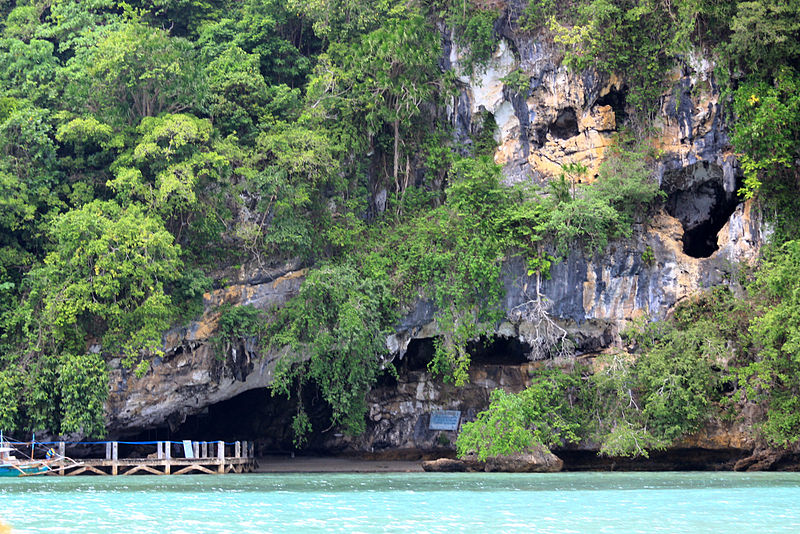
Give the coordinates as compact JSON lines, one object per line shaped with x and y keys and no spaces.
{"x":445,"y":420}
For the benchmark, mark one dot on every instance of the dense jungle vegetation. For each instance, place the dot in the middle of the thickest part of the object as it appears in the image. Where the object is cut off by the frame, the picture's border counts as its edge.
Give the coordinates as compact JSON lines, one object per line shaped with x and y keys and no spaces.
{"x":148,"y":146}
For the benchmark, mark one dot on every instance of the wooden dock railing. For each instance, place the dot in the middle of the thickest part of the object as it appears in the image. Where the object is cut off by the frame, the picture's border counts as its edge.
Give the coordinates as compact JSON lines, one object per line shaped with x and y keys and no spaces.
{"x":203,"y":459}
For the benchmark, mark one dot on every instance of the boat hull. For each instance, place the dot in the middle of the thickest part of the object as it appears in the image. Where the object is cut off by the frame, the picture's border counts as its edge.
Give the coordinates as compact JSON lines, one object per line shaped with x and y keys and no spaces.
{"x":22,"y":470}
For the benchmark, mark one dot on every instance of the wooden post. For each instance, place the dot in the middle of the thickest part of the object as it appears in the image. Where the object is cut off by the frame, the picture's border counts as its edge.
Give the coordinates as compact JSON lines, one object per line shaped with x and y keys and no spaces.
{"x":167,"y":457}
{"x":221,"y":457}
{"x":108,"y":450}
{"x":196,"y":449}
{"x":204,"y":449}
{"x":160,"y":450}
{"x":62,"y":452}
{"x":114,"y":458}
{"x":237,"y":449}
{"x":245,"y":448}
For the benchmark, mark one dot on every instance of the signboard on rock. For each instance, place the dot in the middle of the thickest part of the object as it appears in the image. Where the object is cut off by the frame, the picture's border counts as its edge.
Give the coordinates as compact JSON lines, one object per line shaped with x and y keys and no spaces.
{"x":445,"y":420}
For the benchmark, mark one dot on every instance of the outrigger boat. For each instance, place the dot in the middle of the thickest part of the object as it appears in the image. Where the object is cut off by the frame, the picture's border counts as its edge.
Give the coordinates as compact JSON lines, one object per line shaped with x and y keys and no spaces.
{"x":10,"y":466}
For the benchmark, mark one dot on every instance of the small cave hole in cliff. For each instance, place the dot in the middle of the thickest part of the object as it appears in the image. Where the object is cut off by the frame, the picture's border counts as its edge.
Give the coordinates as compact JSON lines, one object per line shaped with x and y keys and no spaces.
{"x":616,"y":99}
{"x":698,"y":199}
{"x":565,"y":125}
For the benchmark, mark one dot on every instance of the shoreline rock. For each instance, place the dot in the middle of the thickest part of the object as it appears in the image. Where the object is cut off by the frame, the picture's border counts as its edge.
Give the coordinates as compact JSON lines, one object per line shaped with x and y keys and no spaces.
{"x":534,"y":461}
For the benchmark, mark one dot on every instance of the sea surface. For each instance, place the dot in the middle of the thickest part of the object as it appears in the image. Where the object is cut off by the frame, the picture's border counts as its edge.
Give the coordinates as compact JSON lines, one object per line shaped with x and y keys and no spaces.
{"x":414,"y":502}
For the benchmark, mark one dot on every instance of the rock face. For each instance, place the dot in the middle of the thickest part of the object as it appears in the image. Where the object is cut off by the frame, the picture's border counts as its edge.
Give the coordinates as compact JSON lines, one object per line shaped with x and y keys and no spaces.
{"x":697,"y":240}
{"x":191,"y":375}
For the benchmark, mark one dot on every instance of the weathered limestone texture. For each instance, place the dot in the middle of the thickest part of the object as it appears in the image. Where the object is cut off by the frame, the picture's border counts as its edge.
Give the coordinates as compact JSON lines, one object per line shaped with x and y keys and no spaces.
{"x":697,"y":240}
{"x":191,"y":375}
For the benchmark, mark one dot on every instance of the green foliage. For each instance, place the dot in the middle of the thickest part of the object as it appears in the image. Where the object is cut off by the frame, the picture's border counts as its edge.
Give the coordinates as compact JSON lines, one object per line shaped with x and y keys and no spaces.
{"x":648,"y":256}
{"x":236,"y":325}
{"x":649,"y":401}
{"x":540,"y":415}
{"x":538,"y":13}
{"x":379,"y":82}
{"x":632,"y":403}
{"x":343,"y":20}
{"x":625,"y":36}
{"x":147,"y":145}
{"x":335,"y":333}
{"x":83,"y":384}
{"x":272,"y":30}
{"x":10,"y":386}
{"x":133,"y":72}
{"x":517,"y":81}
{"x":624,"y":191}
{"x":294,"y":166}
{"x":105,"y":278}
{"x":773,"y":374}
{"x":473,"y":26}
{"x":767,"y":134}
{"x":765,"y":35}
{"x":28,"y":69}
{"x":237,"y":91}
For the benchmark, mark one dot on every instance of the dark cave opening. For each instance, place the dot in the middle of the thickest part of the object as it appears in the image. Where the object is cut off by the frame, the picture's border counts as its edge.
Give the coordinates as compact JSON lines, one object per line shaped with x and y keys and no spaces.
{"x":565,"y":125}
{"x":417,"y":356}
{"x":499,"y":351}
{"x":701,"y":241}
{"x":616,"y":99}
{"x":698,"y":199}
{"x":484,"y":351}
{"x":255,"y":415}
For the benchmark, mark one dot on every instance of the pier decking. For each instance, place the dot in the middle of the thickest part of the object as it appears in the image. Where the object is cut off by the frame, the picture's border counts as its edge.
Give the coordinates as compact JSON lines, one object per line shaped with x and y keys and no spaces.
{"x":206,"y":457}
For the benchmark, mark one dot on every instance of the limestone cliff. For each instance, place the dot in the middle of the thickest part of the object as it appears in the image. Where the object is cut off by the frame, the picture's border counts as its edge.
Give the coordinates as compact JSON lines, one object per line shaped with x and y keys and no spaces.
{"x":696,"y":240}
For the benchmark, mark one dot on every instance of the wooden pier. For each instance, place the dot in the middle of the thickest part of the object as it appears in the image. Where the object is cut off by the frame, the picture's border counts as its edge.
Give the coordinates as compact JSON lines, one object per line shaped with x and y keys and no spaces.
{"x":202,"y":457}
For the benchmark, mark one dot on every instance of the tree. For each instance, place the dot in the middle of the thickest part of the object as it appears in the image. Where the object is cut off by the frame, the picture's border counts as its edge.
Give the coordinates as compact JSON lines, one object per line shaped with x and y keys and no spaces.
{"x":237,"y":92}
{"x":540,"y":415}
{"x":383,"y":80}
{"x":105,"y":279}
{"x":173,"y":169}
{"x":28,"y":70}
{"x":135,"y":71}
{"x":773,"y":375}
{"x":765,"y":35}
{"x":335,"y":334}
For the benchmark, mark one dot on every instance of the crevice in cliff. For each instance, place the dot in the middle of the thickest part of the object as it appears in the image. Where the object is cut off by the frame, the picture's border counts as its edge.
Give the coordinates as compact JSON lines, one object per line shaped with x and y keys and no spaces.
{"x":417,"y":356}
{"x":697,"y":197}
{"x":565,"y":125}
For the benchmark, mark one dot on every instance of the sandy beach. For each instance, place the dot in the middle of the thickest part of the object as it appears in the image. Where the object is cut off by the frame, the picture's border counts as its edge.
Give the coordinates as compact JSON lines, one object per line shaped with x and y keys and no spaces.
{"x":333,"y":464}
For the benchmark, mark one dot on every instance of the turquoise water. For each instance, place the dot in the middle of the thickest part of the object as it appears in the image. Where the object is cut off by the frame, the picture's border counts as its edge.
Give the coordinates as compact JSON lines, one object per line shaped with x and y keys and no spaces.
{"x":411,"y":502}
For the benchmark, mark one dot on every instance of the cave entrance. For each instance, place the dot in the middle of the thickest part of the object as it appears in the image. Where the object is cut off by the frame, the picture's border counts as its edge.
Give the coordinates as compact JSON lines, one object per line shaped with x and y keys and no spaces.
{"x":565,"y":125}
{"x":616,"y":99}
{"x":254,"y":415}
{"x":484,"y":351}
{"x":499,"y":351}
{"x":698,"y":198}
